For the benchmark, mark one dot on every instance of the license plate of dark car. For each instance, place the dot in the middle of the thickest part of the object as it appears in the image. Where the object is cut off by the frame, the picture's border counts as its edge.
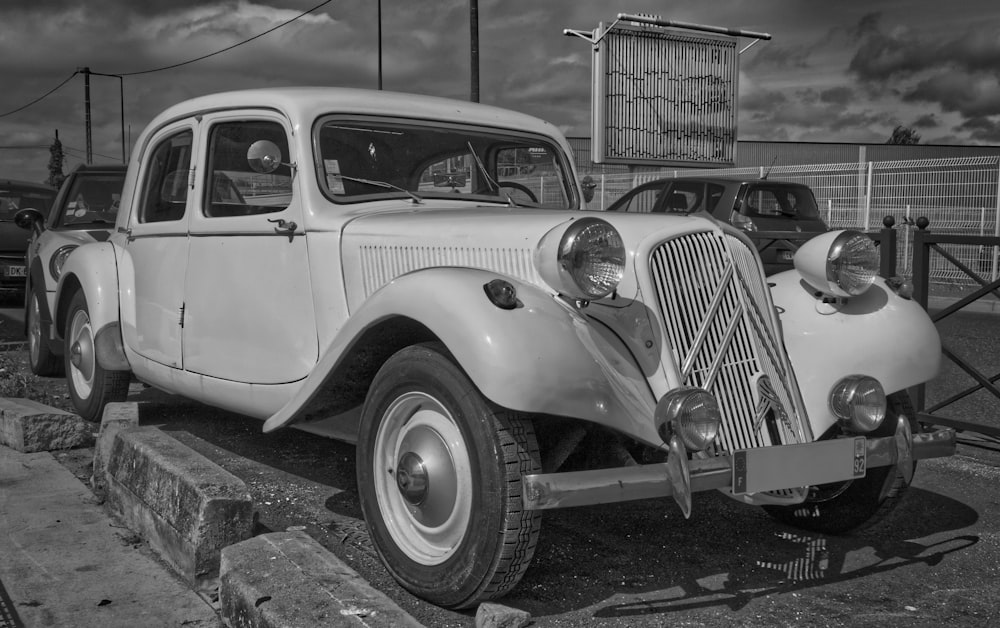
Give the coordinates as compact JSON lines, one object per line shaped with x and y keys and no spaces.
{"x":806,"y":464}
{"x":14,"y":271}
{"x":786,"y":256}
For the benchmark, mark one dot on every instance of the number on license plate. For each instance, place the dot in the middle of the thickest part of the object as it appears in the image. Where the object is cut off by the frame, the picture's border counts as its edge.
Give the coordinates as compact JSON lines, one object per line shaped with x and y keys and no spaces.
{"x":14,"y":271}
{"x":786,"y":256}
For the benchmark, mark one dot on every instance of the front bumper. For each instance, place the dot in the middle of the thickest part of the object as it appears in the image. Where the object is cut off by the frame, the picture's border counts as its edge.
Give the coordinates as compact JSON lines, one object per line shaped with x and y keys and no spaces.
{"x":779,"y":467}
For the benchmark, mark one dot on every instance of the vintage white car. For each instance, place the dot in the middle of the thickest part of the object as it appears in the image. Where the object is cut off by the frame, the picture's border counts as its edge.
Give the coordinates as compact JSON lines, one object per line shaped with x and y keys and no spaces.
{"x":415,"y":275}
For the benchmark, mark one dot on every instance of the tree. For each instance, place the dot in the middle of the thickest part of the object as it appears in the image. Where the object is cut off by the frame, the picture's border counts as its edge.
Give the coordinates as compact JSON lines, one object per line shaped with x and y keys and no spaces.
{"x":56,"y":176}
{"x":903,"y":135}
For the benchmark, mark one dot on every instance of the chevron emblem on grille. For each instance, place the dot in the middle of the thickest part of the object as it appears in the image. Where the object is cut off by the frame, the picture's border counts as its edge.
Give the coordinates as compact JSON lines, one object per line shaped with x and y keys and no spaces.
{"x":766,"y":400}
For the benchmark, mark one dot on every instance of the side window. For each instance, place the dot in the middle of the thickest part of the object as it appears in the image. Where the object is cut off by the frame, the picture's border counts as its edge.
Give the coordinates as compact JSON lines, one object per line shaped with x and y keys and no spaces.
{"x":234,"y":189}
{"x":165,"y":187}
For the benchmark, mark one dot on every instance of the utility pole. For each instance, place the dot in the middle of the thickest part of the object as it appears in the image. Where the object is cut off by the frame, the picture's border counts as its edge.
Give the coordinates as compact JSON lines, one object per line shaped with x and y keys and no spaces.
{"x":474,"y":46}
{"x":86,"y":107}
{"x":380,"y":45}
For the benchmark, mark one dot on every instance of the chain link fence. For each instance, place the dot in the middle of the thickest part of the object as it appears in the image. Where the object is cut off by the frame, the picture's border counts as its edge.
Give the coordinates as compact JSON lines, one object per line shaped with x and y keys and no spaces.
{"x":957,"y":195}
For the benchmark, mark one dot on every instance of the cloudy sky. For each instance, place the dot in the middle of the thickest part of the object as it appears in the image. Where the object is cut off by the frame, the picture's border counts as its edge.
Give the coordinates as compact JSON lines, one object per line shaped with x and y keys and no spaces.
{"x":835,"y":71}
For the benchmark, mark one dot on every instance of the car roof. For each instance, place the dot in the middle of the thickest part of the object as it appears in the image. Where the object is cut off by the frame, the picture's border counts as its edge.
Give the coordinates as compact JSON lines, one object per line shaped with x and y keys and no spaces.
{"x":730,"y":179}
{"x":99,"y":168}
{"x":303,"y":104}
{"x":26,"y":184}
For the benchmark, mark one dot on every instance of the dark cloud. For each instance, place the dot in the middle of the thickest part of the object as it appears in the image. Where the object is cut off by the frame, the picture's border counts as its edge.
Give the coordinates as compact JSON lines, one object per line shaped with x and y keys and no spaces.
{"x":929,"y":121}
{"x":837,"y":95}
{"x":983,"y":129}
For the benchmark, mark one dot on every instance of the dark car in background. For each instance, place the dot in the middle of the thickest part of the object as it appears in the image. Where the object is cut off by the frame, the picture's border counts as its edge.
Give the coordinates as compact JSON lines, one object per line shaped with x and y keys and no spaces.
{"x":84,"y":211}
{"x":15,"y":196}
{"x":754,"y":205}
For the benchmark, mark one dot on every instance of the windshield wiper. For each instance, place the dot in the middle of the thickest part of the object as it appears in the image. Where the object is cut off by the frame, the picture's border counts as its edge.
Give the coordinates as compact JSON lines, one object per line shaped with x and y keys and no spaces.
{"x":489,"y":180}
{"x":381,"y":184}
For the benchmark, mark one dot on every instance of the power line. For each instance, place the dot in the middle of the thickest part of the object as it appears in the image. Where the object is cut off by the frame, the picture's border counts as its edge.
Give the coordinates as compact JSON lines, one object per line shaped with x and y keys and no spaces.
{"x":48,"y":93}
{"x":217,"y":52}
{"x":168,"y":67}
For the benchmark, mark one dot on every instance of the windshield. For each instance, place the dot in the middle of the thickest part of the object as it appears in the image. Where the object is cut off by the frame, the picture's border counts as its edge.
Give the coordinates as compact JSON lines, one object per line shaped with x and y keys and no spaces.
{"x":14,"y":197}
{"x":364,"y":159}
{"x":93,"y":198}
{"x":780,"y":201}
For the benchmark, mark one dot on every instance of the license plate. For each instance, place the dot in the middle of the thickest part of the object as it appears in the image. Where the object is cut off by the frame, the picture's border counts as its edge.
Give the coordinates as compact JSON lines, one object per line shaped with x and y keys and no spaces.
{"x":786,"y":256}
{"x":14,"y":271}
{"x":806,"y":464}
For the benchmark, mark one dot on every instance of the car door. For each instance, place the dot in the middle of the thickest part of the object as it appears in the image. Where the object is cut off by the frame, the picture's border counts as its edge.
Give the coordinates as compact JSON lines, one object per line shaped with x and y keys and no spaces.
{"x":248,"y":306}
{"x":153,"y":265}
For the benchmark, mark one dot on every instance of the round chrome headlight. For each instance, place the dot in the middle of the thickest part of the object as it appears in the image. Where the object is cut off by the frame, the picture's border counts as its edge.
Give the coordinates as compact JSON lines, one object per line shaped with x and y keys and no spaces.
{"x":692,"y":414}
{"x":58,"y":259}
{"x":859,"y":403}
{"x":586,"y":262}
{"x":841,"y":263}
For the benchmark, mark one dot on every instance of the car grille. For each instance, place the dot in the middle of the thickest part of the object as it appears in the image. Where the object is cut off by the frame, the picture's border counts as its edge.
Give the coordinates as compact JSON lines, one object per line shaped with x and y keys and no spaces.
{"x":716,"y":309}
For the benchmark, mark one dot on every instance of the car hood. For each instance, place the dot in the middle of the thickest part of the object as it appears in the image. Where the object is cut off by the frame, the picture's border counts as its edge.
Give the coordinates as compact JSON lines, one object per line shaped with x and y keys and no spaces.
{"x":378,"y":248}
{"x":787,"y":223}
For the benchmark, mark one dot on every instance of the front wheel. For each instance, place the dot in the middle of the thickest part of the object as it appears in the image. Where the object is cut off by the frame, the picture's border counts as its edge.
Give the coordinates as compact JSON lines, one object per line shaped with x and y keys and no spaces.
{"x":439,"y":476}
{"x":41,"y":359}
{"x":91,"y":387}
{"x":857,"y":504}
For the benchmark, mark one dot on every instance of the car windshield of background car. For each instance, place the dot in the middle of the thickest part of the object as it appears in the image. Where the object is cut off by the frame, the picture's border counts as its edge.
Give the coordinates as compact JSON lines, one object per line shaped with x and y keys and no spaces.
{"x":93,"y":199}
{"x":14,"y":198}
{"x":797,"y":203}
{"x":368,"y":159}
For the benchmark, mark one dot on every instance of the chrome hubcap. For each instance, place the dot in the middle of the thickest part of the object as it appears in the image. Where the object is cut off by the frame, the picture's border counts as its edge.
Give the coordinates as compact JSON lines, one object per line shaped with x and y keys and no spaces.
{"x":411,"y":478}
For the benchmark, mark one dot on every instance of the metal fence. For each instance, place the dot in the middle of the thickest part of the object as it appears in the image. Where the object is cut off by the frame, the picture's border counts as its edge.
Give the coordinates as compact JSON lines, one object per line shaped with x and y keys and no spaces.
{"x":958,"y":196}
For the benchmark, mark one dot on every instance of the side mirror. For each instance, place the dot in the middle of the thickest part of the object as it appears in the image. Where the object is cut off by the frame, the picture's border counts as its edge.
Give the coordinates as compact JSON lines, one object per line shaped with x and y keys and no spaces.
{"x":264,"y":156}
{"x":30,"y":219}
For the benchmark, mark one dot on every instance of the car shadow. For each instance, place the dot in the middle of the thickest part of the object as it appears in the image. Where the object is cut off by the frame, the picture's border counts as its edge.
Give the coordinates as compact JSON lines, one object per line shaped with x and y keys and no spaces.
{"x":724,"y":557}
{"x":624,"y":560}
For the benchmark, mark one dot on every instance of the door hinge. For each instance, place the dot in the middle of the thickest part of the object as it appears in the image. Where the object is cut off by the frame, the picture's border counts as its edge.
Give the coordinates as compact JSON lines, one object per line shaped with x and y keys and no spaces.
{"x":183,"y":305}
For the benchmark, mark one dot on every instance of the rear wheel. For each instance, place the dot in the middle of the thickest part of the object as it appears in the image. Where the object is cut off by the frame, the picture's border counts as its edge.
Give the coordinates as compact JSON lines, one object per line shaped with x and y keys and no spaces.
{"x":91,"y":387}
{"x":439,"y":477}
{"x":852,"y":506}
{"x":40,"y":357}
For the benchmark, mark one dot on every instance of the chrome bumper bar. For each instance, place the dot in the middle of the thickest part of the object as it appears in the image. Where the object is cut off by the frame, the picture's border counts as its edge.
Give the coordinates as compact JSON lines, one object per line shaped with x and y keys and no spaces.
{"x":679,"y":477}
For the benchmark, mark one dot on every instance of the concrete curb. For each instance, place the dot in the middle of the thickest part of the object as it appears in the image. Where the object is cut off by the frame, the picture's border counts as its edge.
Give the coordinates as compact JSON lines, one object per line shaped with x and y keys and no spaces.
{"x":28,"y":426}
{"x":186,"y":507}
{"x":288,"y":579}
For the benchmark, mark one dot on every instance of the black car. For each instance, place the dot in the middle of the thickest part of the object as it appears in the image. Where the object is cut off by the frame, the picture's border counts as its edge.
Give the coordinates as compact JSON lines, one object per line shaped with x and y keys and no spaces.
{"x":754,"y":205}
{"x":15,"y":196}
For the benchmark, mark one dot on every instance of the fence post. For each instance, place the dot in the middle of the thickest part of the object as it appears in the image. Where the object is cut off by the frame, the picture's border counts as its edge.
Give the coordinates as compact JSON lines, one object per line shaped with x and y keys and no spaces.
{"x":887,"y":248}
{"x":996,"y":228}
{"x":868,"y":197}
{"x":829,"y":212}
{"x":921,"y":285}
{"x":602,"y":191}
{"x":921,"y":262}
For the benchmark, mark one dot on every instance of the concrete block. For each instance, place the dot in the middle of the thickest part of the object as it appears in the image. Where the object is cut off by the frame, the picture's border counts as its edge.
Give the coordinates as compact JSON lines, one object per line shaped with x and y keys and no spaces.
{"x":117,"y":416}
{"x":287,"y":579}
{"x":492,"y":615}
{"x":187,"y":507}
{"x":28,"y":426}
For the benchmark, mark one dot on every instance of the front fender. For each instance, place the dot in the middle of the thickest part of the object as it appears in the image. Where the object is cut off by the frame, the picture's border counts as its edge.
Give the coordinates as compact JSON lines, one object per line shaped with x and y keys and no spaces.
{"x":93,"y":269}
{"x":878,"y":334}
{"x":542,"y":357}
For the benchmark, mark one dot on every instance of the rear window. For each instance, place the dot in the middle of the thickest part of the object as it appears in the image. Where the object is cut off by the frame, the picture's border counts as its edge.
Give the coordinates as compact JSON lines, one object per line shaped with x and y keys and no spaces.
{"x":780,"y":201}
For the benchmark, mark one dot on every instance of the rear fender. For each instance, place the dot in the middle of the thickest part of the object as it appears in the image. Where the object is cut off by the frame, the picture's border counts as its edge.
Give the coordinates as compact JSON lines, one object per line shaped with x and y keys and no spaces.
{"x":543,"y":357}
{"x":93,"y":269}
{"x":878,"y":334}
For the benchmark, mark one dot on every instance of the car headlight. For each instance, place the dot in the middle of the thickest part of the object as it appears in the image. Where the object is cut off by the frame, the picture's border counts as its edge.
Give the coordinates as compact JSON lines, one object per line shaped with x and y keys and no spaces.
{"x":58,"y":259}
{"x":859,"y":403}
{"x":692,"y":414}
{"x":841,"y":263}
{"x":585,"y":261}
